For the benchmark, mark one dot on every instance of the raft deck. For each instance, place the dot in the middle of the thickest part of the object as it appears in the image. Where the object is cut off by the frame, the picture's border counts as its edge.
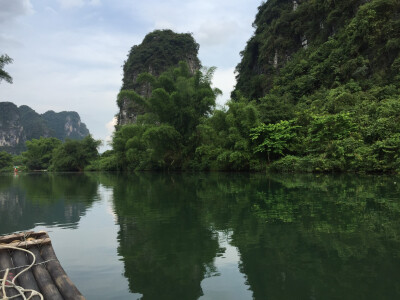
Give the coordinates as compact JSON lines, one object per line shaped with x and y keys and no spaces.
{"x":45,"y":276}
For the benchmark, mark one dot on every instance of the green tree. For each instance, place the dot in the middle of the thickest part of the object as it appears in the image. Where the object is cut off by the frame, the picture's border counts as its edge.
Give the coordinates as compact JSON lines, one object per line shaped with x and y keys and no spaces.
{"x":75,"y":155}
{"x":181,"y":99}
{"x":4,"y":60}
{"x":164,"y":136}
{"x":5,"y":159}
{"x":274,"y":138}
{"x":39,"y":153}
{"x":224,"y":138}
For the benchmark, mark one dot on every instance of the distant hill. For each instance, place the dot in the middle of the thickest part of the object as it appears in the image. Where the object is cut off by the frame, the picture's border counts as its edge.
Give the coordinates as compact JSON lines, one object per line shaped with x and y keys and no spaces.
{"x":21,"y":124}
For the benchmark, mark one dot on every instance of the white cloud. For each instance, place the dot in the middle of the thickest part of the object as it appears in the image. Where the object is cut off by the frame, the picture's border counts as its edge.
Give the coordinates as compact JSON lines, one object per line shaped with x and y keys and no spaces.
{"x":50,"y":10}
{"x":9,"y":41}
{"x":217,"y":32}
{"x":65,"y":4}
{"x":110,"y":126}
{"x":11,"y":9}
{"x":95,"y":2}
{"x":224,"y":79}
{"x":163,"y":24}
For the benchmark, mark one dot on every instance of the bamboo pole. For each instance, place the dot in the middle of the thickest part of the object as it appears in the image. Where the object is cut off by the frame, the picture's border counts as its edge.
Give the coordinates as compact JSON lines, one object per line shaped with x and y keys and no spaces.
{"x":26,"y":279}
{"x":14,"y":236}
{"x":6,"y":263}
{"x":20,"y":236}
{"x":67,"y":289}
{"x":43,"y":278}
{"x":28,"y":243}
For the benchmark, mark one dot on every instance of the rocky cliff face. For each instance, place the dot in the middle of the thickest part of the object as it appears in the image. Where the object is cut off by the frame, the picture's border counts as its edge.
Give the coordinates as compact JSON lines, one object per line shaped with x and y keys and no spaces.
{"x":11,"y":130}
{"x":65,"y":124}
{"x":159,"y":51}
{"x":20,"y":124}
{"x":285,"y":28}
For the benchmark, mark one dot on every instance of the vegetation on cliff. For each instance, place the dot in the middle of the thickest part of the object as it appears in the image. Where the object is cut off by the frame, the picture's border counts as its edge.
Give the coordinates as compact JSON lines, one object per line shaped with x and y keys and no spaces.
{"x":317,"y":91}
{"x":159,"y":51}
{"x":338,"y":84}
{"x":323,"y":81}
{"x":165,"y":136}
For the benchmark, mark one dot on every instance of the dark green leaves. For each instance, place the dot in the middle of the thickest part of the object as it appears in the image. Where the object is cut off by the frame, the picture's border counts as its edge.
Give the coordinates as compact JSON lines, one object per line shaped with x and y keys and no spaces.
{"x":4,"y":60}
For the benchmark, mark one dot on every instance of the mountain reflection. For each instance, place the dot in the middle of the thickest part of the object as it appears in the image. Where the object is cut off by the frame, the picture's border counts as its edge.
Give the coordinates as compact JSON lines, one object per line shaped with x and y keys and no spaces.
{"x":47,"y":199}
{"x":299,"y":237}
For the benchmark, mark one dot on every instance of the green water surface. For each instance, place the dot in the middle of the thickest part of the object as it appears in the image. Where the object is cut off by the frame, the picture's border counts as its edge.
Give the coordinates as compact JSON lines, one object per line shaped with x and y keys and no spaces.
{"x":215,"y":236}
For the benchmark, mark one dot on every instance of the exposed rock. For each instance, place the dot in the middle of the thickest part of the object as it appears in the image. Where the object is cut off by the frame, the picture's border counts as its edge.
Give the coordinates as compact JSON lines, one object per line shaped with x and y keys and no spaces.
{"x":295,"y":5}
{"x":11,"y":130}
{"x":65,"y":124}
{"x":304,"y":42}
{"x":276,"y":57}
{"x":20,"y":124}
{"x":160,"y":50}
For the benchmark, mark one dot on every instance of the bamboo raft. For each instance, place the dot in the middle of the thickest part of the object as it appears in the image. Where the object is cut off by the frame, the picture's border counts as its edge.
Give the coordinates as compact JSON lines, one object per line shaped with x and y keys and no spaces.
{"x":29,"y":269}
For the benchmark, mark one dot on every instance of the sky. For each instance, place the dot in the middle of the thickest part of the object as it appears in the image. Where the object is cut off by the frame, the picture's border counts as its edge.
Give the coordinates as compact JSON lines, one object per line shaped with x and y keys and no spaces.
{"x":68,"y":54}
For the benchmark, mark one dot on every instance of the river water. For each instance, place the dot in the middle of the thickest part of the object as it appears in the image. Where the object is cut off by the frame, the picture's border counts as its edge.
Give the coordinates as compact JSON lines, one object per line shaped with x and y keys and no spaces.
{"x":215,"y":236}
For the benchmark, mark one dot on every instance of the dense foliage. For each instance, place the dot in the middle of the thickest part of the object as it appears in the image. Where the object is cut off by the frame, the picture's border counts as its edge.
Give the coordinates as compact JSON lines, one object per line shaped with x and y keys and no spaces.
{"x":224,"y":139}
{"x":164,"y":137}
{"x":40,"y":153}
{"x":331,"y":69}
{"x":53,"y":154}
{"x":159,"y":50}
{"x":317,"y":90}
{"x":74,"y":155}
{"x":5,"y":160}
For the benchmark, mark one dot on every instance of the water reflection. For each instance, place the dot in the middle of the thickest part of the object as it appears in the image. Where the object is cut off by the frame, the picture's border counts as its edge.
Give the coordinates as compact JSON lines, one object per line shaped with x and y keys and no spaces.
{"x":46,"y":199}
{"x":221,"y":236}
{"x":323,"y":238}
{"x":298,"y":237}
{"x":165,"y":241}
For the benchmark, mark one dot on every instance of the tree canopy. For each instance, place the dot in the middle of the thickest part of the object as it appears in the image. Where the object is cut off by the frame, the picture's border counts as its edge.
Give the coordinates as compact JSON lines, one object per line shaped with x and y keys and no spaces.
{"x":164,"y":135}
{"x":39,"y":153}
{"x":74,"y":155}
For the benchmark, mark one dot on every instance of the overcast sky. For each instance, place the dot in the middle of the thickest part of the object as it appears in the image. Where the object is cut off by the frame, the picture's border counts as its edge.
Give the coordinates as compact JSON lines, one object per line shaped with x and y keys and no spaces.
{"x":68,"y":53}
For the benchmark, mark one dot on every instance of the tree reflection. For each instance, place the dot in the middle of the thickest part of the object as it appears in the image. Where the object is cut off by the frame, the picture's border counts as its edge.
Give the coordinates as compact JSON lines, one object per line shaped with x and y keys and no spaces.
{"x":48,"y":199}
{"x":165,"y":243}
{"x":299,"y":237}
{"x":322,"y":237}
